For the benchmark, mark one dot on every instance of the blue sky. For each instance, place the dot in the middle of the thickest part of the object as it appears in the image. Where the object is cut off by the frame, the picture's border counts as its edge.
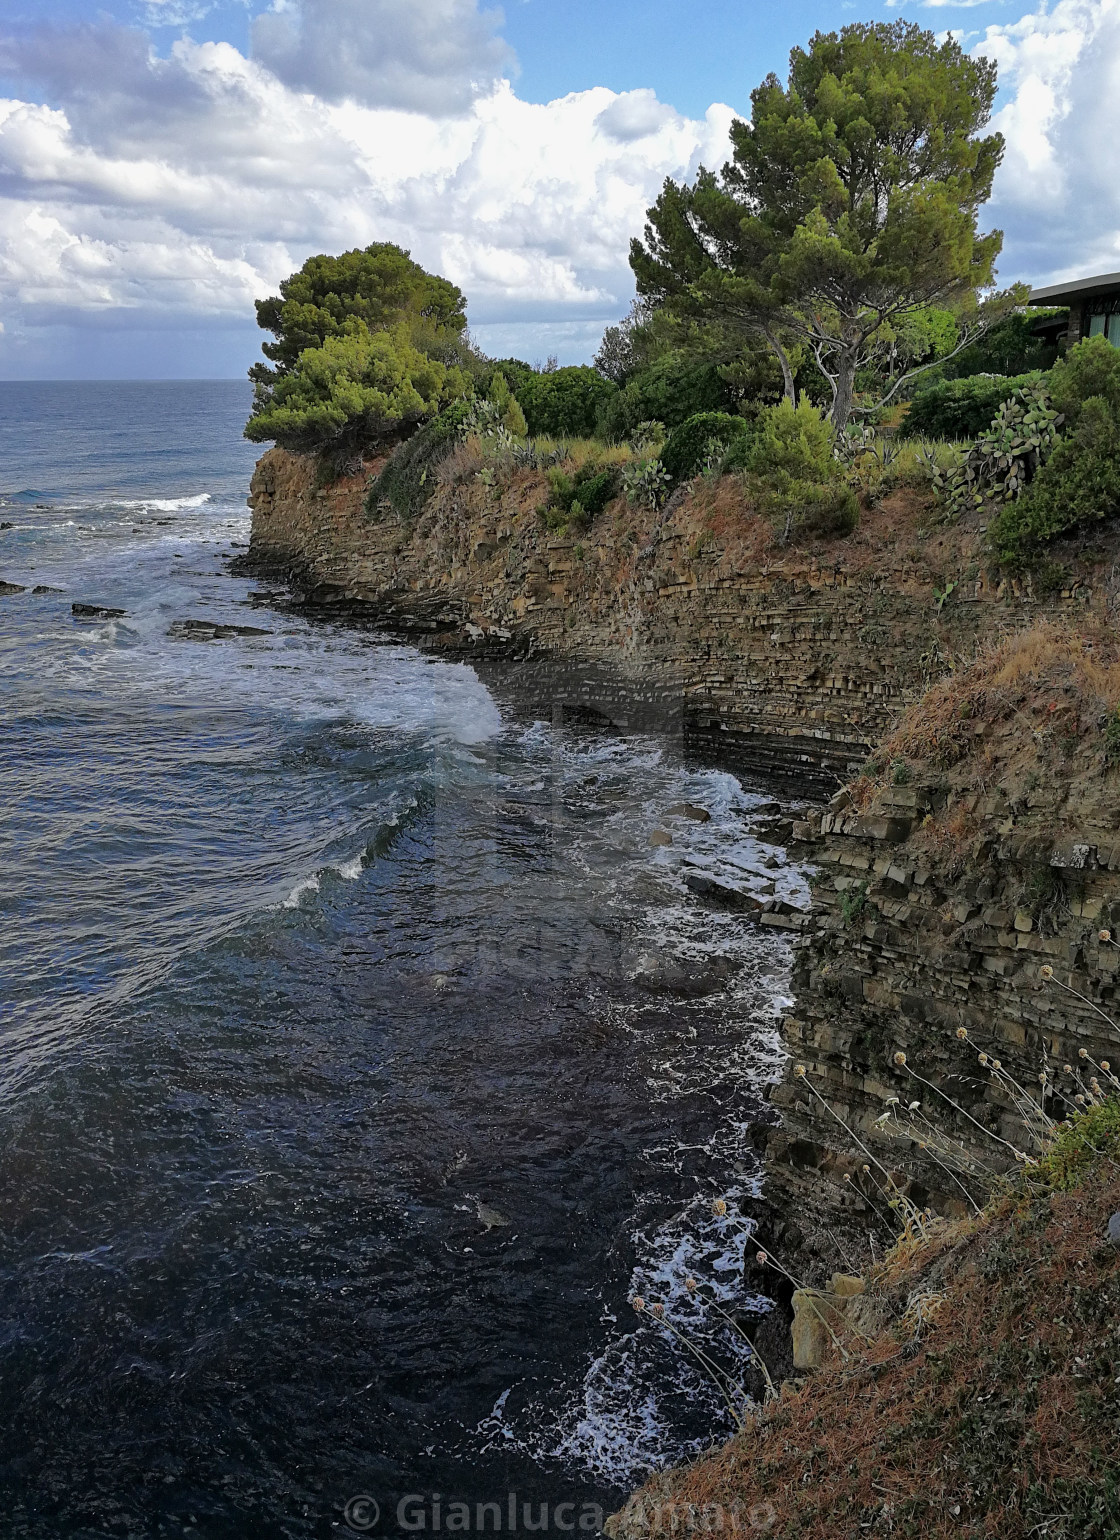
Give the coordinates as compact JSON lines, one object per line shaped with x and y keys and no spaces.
{"x":164,"y":163}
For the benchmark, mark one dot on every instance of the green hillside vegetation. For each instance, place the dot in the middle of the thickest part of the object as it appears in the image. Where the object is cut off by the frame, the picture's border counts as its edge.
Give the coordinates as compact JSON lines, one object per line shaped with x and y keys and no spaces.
{"x":815,"y":350}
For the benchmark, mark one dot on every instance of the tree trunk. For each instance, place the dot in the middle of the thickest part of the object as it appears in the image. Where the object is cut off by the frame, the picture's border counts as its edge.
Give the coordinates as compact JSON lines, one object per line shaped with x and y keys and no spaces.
{"x":787,"y":372}
{"x":843,"y":388}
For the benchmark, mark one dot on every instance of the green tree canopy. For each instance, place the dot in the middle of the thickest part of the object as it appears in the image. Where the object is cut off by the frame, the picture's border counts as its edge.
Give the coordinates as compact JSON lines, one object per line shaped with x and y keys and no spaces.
{"x":849,"y":204}
{"x":565,"y":402}
{"x":358,"y":387}
{"x":380,"y":286}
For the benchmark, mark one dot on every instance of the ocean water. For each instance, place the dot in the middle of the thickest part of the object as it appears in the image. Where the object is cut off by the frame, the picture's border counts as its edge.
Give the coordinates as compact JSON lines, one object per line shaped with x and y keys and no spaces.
{"x":309,"y":946}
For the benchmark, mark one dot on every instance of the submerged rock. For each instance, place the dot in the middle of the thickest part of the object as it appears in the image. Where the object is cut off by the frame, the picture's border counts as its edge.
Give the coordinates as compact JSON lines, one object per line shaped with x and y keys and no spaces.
{"x":44,"y":588}
{"x":660,"y":837}
{"x":96,"y":612}
{"x":719,"y":896}
{"x":690,"y":810}
{"x":212,"y":631}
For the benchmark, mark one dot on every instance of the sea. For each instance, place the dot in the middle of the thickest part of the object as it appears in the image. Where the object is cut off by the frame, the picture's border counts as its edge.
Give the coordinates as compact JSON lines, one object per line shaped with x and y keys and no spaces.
{"x":361,"y":1058}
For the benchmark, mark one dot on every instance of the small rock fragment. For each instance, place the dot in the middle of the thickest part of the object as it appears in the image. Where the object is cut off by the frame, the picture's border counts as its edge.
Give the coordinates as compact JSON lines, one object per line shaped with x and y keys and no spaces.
{"x":689,"y":810}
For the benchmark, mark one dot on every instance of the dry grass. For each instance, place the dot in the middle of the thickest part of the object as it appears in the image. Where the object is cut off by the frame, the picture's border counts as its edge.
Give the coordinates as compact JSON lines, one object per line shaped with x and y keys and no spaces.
{"x":999,"y":1418}
{"x":1054,"y":682}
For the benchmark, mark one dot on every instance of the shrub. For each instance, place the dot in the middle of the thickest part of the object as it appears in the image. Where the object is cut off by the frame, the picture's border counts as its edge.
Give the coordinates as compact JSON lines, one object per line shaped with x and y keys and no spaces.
{"x":1011,"y":346}
{"x":565,"y":402}
{"x":668,"y":391}
{"x":515,"y":371}
{"x":406,"y":480}
{"x":1080,"y":481}
{"x":577,"y":496}
{"x":699,"y":441}
{"x":1091,"y":371}
{"x":793,"y":473}
{"x":1081,"y":1144}
{"x":961,"y":408}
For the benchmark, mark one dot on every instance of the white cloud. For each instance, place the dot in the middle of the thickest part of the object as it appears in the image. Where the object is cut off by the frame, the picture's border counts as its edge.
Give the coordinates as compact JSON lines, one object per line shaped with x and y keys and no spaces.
{"x":186,"y":185}
{"x":434,"y":57}
{"x":1057,"y":194}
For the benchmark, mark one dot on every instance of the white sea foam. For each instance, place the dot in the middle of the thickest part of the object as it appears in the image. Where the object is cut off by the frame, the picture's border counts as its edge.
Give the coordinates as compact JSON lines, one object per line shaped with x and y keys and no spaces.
{"x":308,"y":885}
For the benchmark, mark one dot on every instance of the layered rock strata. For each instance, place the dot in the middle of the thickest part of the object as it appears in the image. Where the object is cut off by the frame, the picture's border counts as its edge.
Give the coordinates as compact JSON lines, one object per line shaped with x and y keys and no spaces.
{"x":686,"y":618}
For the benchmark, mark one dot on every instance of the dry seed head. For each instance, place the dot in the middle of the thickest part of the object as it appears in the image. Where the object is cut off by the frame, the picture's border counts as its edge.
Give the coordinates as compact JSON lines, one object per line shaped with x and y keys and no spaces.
{"x":1079,"y":1099}
{"x":900,"y":1058}
{"x":996,"y":1064}
{"x":847,"y":1176}
{"x":913,"y":1107}
{"x":800,"y":1070}
{"x":962,"y":1034}
{"x":719,"y":1208}
{"x":761,"y":1258}
{"x":983,"y":1058}
{"x":657,"y":1309}
{"x":1046,"y":972}
{"x":866,"y":1169}
{"x":1106,"y":1066}
{"x":1082,"y":1053}
{"x":1042,"y":1078}
{"x":1067,"y":1069}
{"x":1104,"y":935}
{"x":690,"y":1285}
{"x":638,"y":1303}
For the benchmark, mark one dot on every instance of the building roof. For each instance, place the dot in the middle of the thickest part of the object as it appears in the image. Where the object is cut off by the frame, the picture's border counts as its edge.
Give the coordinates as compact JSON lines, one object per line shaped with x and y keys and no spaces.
{"x":1075,"y":289}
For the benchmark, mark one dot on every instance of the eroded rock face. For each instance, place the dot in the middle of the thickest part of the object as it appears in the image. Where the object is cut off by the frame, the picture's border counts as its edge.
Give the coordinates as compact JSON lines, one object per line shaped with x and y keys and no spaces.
{"x":940,"y":956}
{"x":786,"y":661}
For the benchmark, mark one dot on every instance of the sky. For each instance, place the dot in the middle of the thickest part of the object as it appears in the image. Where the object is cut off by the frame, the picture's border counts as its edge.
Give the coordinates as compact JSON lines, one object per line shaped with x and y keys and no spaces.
{"x":164,"y":163}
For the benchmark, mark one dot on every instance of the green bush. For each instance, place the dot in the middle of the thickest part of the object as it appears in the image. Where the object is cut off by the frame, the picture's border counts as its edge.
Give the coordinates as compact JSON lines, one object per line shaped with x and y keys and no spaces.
{"x":1011,"y":346}
{"x":577,"y":496}
{"x":1086,"y":1139}
{"x":794,"y":475}
{"x":565,"y":403}
{"x":406,"y":480}
{"x":960,"y":408}
{"x":357,"y":389}
{"x":1079,"y":484}
{"x":794,"y":442}
{"x":668,"y":391}
{"x":1080,"y":481}
{"x":506,"y":403}
{"x":515,"y":370}
{"x":1089,"y":372}
{"x":699,"y":439}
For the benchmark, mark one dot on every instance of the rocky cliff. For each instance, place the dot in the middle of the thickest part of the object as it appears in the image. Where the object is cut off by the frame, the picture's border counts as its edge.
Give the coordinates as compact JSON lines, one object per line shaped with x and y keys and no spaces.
{"x":779,"y":660}
{"x":979,"y":845}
